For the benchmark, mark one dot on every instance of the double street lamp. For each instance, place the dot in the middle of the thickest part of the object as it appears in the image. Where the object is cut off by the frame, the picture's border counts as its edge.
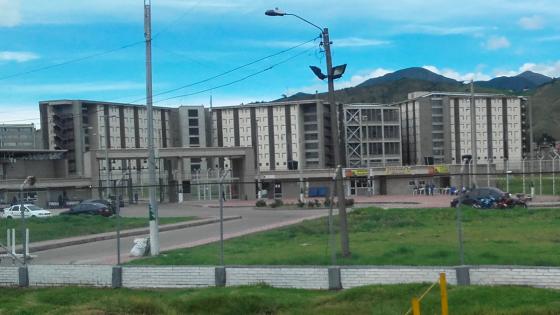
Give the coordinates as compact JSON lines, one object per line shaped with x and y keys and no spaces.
{"x":332,"y":73}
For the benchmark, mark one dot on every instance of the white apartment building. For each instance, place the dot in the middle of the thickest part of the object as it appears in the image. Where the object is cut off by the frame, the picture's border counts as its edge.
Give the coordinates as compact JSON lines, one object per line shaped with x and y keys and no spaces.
{"x":436,"y":127}
{"x":286,"y":135}
{"x":80,"y":126}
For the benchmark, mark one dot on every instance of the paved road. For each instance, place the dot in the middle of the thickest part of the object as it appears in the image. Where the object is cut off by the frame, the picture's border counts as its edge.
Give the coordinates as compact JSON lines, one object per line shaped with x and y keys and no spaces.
{"x":104,"y":252}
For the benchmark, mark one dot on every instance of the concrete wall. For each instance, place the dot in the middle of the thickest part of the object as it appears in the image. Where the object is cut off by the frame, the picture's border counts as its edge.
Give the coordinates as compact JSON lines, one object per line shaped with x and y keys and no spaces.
{"x":304,"y":277}
{"x":279,"y":277}
{"x":9,"y":277}
{"x":547,"y":277}
{"x":168,"y":277}
{"x":360,"y":276}
{"x":81,"y":275}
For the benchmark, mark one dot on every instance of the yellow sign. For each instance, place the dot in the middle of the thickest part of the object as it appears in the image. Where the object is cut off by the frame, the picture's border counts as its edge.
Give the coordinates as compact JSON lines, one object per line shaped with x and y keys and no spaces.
{"x":438,"y":169}
{"x":356,"y":172}
{"x":398,"y":170}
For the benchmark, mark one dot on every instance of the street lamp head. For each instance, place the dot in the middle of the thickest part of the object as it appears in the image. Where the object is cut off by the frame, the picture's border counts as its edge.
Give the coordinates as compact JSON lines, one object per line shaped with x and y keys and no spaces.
{"x":274,"y":12}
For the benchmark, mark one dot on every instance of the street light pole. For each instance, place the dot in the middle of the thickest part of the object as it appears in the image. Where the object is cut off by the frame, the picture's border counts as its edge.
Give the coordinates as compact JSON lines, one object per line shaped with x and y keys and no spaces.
{"x":335,"y":134}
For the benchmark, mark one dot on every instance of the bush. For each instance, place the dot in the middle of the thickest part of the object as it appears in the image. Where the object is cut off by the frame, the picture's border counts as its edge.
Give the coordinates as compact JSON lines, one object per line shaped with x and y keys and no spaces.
{"x":349,"y":202}
{"x":310,"y":204}
{"x":317,"y":203}
{"x":327,"y":202}
{"x":260,"y":203}
{"x":300,"y":203}
{"x":277,"y":203}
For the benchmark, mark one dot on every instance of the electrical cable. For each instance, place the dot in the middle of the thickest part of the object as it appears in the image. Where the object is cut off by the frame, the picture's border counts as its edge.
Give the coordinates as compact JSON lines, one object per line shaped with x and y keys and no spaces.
{"x":229,"y":71}
{"x":235,"y":81}
{"x":70,"y":61}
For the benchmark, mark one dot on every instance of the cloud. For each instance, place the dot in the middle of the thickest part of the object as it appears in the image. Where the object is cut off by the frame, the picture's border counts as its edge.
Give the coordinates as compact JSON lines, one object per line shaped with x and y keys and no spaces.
{"x":359,"y":42}
{"x":497,"y":42}
{"x":9,"y":13}
{"x":453,"y":74}
{"x":73,"y":88}
{"x":553,"y":38}
{"x":17,"y":56}
{"x":441,"y":30}
{"x":338,"y":42}
{"x":534,"y":22}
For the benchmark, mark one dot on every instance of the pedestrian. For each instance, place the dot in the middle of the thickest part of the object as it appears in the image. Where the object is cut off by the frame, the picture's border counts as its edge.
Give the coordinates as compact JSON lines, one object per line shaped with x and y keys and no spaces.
{"x":60,"y":201}
{"x":14,"y":201}
{"x":136,"y":197}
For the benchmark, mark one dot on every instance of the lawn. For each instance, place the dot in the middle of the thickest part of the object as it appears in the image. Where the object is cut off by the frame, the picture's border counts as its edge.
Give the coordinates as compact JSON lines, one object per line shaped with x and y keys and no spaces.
{"x":390,"y":299}
{"x":395,"y":237}
{"x":63,"y":226}
{"x":516,"y":183}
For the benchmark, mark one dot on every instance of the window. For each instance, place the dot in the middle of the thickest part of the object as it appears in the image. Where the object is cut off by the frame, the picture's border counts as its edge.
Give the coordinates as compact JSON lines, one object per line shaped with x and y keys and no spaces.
{"x":391,"y":131}
{"x":312,"y":136}
{"x":375,"y":148}
{"x":392,"y":148}
{"x":193,"y":122}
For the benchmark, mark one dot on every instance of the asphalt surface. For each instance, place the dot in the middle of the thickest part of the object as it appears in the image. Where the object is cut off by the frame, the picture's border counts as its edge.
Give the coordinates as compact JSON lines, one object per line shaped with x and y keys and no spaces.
{"x":105,"y":252}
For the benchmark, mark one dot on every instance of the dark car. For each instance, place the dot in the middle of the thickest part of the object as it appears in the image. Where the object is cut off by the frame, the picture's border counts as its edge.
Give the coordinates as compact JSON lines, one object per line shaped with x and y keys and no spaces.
{"x":91,"y":208}
{"x":107,"y":203}
{"x":471,"y":197}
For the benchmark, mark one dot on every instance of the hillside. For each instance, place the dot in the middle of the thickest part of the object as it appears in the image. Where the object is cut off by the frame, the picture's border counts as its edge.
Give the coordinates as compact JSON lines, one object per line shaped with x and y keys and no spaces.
{"x":546,"y":110}
{"x":390,"y":92}
{"x":416,"y":73}
{"x":519,"y":83}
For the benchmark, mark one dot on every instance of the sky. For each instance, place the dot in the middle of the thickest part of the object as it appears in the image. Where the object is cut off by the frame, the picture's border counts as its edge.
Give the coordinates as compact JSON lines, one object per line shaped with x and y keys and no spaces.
{"x":228,"y":50}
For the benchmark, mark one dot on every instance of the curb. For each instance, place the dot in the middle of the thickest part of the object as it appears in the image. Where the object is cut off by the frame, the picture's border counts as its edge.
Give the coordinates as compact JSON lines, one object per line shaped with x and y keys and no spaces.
{"x":125,"y":233}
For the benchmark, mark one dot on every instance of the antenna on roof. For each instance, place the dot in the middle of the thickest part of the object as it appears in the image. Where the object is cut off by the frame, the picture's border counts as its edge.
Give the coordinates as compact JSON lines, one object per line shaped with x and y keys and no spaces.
{"x":210,"y":101}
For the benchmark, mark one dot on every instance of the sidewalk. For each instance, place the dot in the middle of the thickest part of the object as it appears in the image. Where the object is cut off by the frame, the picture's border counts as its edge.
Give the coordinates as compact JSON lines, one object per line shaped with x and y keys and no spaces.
{"x":394,"y":201}
{"x":77,"y":240}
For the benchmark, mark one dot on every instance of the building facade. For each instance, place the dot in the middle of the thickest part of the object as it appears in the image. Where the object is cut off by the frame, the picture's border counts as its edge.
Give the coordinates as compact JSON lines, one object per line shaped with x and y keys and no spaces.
{"x":285,"y":135}
{"x":79,"y":126}
{"x":18,"y":136}
{"x":372,"y":135}
{"x":194,"y":132}
{"x":436,"y":128}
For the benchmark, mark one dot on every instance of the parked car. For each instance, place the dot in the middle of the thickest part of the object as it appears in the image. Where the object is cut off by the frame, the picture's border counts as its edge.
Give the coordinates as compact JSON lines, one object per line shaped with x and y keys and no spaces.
{"x":107,"y":203}
{"x":473,"y":196}
{"x":30,"y":211}
{"x":91,"y":208}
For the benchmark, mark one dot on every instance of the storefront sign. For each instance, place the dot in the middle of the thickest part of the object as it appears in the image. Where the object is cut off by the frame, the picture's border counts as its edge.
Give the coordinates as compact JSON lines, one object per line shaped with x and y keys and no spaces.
{"x":438,"y":169}
{"x":360,"y":172}
{"x":398,"y":170}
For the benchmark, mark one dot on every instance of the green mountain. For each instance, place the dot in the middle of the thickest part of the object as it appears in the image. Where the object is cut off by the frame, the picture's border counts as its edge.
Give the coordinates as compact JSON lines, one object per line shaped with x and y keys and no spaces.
{"x":546,"y":110}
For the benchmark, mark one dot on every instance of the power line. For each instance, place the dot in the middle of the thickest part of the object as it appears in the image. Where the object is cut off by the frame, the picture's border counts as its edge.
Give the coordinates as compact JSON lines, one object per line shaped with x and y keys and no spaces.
{"x":69,"y":61}
{"x":236,"y":81}
{"x":229,"y":71}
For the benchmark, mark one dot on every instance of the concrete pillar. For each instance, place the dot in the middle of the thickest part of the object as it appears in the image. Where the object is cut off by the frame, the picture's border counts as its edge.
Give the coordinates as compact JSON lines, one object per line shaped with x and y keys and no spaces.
{"x":334,"y":278}
{"x":220,"y":276}
{"x":116,"y":279}
{"x":23,"y":275}
{"x":463,"y":275}
{"x":180,"y":179}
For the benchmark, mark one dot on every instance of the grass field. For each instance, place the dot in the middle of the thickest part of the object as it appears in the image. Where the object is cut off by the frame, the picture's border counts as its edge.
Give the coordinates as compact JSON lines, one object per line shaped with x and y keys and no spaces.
{"x":396,"y":237}
{"x":63,"y":226}
{"x":516,"y":184}
{"x":391,"y":299}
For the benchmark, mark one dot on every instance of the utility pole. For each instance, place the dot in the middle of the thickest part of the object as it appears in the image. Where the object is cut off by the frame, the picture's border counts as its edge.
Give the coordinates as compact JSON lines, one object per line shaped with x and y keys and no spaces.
{"x":473,"y":137}
{"x":153,"y":206}
{"x":337,"y":145}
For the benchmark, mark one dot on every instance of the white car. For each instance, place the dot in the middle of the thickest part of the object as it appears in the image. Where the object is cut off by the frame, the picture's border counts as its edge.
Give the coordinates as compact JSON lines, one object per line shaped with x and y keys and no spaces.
{"x":31,"y":211}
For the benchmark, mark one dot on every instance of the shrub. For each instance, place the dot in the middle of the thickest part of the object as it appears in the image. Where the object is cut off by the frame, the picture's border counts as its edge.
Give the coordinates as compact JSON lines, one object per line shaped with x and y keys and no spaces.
{"x":300,"y":203}
{"x":260,"y":203}
{"x":310,"y":204}
{"x":327,"y":202}
{"x":277,"y":203}
{"x":317,"y":203}
{"x":349,"y":202}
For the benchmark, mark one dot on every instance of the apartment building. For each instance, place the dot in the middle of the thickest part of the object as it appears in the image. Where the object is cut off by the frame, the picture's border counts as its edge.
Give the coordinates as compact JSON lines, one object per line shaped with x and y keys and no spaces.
{"x":285,"y":135}
{"x":372,"y":135}
{"x":436,"y":127}
{"x":79,"y":126}
{"x":18,"y":136}
{"x":194,"y":132}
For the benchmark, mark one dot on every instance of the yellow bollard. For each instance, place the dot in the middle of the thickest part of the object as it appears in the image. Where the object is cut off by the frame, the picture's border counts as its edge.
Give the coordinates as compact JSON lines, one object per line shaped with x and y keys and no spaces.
{"x":415,"y":306}
{"x":443,"y":290}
